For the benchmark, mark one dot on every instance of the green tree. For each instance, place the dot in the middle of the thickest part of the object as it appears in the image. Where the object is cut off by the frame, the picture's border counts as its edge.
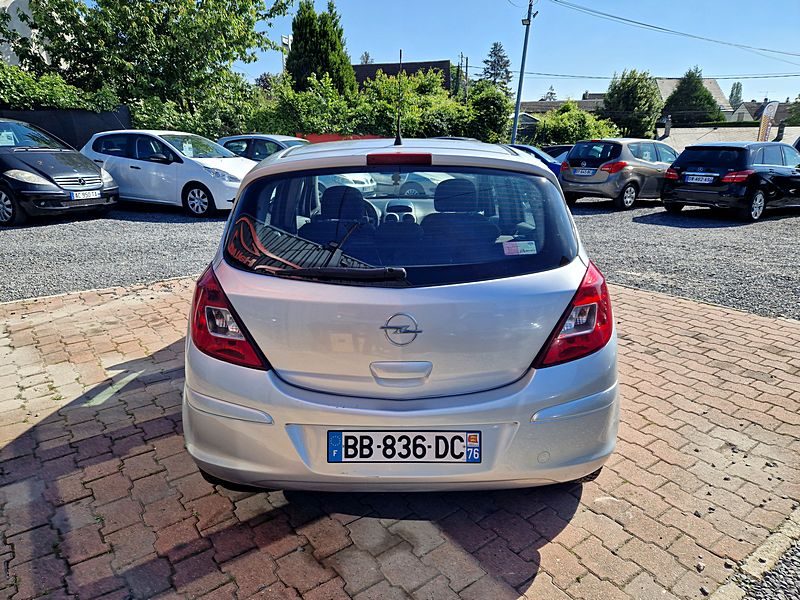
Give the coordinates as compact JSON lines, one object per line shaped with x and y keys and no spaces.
{"x":691,"y":102}
{"x":366,"y":59}
{"x":318,"y":47}
{"x":568,"y":124}
{"x":550,"y":96}
{"x":794,"y":112}
{"x":735,"y":97}
{"x":490,"y":110}
{"x":497,"y":68}
{"x":176,"y":50}
{"x":633,"y":103}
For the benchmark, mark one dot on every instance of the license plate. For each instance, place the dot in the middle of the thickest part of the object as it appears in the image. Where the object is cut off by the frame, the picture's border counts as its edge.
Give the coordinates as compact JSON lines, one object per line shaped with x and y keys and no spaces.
{"x":699,"y":179}
{"x":584,"y":172}
{"x":404,"y":446}
{"x":85,"y":195}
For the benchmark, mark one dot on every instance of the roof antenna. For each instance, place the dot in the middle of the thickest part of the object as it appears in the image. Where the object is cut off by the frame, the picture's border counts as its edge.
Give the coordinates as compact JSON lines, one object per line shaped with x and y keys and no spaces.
{"x":397,"y":140}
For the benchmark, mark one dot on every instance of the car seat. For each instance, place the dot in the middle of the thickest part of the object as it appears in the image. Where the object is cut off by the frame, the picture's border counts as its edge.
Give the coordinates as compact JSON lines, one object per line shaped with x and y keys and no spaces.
{"x":341,"y":207}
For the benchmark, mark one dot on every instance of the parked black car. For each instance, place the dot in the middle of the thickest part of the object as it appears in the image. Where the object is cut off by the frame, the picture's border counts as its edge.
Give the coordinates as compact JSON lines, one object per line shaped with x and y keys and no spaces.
{"x":40,"y":174}
{"x":746,"y":176}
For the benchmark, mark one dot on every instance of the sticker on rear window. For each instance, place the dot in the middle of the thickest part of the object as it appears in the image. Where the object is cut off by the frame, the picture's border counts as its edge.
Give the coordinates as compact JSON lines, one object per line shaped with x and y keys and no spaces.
{"x":519,"y":248}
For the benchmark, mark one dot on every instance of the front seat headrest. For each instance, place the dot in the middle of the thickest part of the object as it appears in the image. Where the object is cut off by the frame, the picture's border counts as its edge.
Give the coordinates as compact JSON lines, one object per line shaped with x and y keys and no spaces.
{"x":343,"y":203}
{"x":456,"y":195}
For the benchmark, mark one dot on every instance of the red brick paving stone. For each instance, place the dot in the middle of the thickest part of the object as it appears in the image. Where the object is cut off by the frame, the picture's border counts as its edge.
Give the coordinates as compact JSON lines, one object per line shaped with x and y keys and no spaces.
{"x":403,"y":569}
{"x":232,"y":540}
{"x":38,"y":577}
{"x":435,"y":589}
{"x":252,"y":509}
{"x":119,"y":514}
{"x":67,"y":489}
{"x":643,"y":587}
{"x":81,"y":544}
{"x":543,"y":588}
{"x":151,"y":488}
{"x":561,"y":564}
{"x":164,"y":512}
{"x":110,"y":488}
{"x":132,"y":544}
{"x":73,"y":516}
{"x":180,"y":540}
{"x":488,"y":587}
{"x":99,"y":466}
{"x":383,"y":591}
{"x":277,"y":591}
{"x":465,"y":532}
{"x":252,"y":572}
{"x":31,"y":544}
{"x":277,"y":538}
{"x":326,"y":535}
{"x":148,"y":578}
{"x":330,"y":590}
{"x":658,"y":562}
{"x":423,"y":536}
{"x":27,"y":516}
{"x":93,"y":577}
{"x":368,"y":534}
{"x":358,"y":568}
{"x":515,"y":530}
{"x":192,"y":487}
{"x":690,"y":584}
{"x":592,"y":588}
{"x":210,"y":510}
{"x":198,"y":574}
{"x":168,"y":446}
{"x":178,"y":465}
{"x":301,"y":571}
{"x":460,"y":567}
{"x":501,"y":563}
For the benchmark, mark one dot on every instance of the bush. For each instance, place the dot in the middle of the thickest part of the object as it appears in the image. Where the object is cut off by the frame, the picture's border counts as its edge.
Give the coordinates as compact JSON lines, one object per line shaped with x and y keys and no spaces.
{"x":20,"y":90}
{"x":568,"y":124}
{"x":489,"y":113}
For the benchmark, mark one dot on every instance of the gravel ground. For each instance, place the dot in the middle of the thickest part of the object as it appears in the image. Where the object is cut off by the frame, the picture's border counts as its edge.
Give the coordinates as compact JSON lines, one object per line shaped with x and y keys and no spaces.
{"x":694,"y":254}
{"x":780,"y":583}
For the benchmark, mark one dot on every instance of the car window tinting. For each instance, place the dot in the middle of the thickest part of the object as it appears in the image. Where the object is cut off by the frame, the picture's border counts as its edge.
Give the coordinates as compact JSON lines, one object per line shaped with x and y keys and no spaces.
{"x":719,"y":157}
{"x":113,"y":145}
{"x":19,"y":135}
{"x":476,"y":224}
{"x":593,"y":153}
{"x":791,"y":156}
{"x":772,"y":155}
{"x":194,"y":146}
{"x":666,"y":154}
{"x":264,"y":148}
{"x":146,"y":147}
{"x":237,"y":146}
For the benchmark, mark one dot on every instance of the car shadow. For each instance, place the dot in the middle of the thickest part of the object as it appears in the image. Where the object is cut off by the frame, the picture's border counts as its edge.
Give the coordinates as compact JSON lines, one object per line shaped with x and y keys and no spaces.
{"x":704,"y":218}
{"x":596,"y":206}
{"x":106,"y":479}
{"x":127,"y":210}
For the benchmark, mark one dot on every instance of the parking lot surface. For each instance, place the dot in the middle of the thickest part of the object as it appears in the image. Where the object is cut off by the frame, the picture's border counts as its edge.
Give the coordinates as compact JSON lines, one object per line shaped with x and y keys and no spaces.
{"x":99,"y":498}
{"x":695,"y":254}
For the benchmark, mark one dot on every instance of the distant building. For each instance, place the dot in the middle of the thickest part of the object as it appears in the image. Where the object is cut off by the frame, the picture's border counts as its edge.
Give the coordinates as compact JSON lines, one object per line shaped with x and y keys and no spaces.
{"x":365,"y":72}
{"x":12,"y":7}
{"x":540,"y":107}
{"x":667,"y":85}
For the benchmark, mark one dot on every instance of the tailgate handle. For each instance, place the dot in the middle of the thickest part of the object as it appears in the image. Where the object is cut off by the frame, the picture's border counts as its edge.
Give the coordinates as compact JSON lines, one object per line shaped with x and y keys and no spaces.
{"x":400,"y":370}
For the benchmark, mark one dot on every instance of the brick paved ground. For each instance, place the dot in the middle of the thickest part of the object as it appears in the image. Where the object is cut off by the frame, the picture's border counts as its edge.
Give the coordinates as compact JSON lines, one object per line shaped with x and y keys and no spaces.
{"x":98,"y":498}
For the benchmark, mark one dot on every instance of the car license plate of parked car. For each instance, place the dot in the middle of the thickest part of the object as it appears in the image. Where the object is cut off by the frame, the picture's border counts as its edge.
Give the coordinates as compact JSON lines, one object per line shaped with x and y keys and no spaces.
{"x":404,"y":446}
{"x":699,"y":178}
{"x":85,"y":195}
{"x":584,"y":172}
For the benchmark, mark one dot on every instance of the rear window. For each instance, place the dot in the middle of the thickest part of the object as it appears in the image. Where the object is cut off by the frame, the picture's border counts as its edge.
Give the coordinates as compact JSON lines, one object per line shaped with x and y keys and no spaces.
{"x":594,"y":153}
{"x":458,"y":225}
{"x":726,"y":158}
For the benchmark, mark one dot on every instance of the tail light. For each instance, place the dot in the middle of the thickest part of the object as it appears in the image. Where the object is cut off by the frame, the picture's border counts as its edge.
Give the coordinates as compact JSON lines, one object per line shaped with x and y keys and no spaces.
{"x":671,"y":174}
{"x":586,"y":325}
{"x":614,"y":167}
{"x":215,"y":329}
{"x":565,"y":166}
{"x":737,"y":176}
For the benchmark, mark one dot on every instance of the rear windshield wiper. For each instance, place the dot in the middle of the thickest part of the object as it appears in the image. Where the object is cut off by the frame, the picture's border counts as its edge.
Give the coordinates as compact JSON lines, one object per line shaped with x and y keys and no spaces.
{"x":345,"y":273}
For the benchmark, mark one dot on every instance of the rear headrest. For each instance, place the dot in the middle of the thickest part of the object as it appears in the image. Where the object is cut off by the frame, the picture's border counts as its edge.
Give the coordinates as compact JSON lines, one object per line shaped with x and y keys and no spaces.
{"x":456,"y":195}
{"x":343,"y":203}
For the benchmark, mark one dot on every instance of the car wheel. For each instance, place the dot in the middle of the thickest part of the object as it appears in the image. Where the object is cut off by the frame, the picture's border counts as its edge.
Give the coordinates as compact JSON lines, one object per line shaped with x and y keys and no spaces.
{"x":412,"y":189}
{"x":198,"y":201}
{"x":11,"y":213}
{"x":571,"y":199}
{"x":673,"y":208}
{"x":627,"y":197}
{"x":590,"y":477}
{"x":755,"y":207}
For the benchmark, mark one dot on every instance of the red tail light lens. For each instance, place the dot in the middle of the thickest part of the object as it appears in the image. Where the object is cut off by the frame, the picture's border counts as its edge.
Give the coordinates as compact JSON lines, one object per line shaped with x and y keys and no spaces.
{"x":215,"y":329}
{"x":737,"y":176}
{"x":614,"y":167}
{"x":565,"y":166}
{"x":671,"y":174}
{"x":399,"y":158}
{"x":586,"y":325}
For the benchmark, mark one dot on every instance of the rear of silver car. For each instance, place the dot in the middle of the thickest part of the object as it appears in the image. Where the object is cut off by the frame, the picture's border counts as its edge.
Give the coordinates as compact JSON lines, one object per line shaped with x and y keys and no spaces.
{"x":595,"y":168}
{"x":334,"y":348}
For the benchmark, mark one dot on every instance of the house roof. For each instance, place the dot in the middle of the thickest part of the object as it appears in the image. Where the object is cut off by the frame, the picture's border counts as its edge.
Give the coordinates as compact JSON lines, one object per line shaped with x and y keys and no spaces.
{"x":667,"y":85}
{"x":539,"y":107}
{"x":365,"y":72}
{"x":757,"y":109}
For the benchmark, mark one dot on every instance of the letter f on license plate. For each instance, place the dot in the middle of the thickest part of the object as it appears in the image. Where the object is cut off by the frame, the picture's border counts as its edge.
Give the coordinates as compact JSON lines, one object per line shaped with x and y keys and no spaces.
{"x":404,"y":446}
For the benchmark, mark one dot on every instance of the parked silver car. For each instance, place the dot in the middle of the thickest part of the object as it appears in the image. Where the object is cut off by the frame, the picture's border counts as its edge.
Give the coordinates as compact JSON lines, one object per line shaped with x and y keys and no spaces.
{"x":331,"y":347}
{"x":623,"y":169}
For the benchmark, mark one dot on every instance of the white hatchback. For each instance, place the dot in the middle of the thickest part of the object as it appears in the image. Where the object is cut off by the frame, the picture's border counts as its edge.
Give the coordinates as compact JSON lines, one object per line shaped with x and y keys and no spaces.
{"x":459,"y":338}
{"x":170,"y":167}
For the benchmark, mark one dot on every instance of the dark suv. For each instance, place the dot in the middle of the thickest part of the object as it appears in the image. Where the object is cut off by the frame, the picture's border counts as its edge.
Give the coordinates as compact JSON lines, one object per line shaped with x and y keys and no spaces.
{"x":746,"y":176}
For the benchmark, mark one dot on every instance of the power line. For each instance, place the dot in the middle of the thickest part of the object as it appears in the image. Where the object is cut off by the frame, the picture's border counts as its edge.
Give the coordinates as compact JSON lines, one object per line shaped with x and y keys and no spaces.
{"x":540,"y":75}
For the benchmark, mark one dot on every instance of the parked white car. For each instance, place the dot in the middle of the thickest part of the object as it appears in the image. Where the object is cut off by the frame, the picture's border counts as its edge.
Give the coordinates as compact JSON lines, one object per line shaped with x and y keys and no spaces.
{"x":170,"y":167}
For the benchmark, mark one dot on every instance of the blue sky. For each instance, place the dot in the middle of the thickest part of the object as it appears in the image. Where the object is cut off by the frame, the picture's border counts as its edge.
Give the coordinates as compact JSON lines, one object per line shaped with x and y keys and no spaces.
{"x":565,"y":41}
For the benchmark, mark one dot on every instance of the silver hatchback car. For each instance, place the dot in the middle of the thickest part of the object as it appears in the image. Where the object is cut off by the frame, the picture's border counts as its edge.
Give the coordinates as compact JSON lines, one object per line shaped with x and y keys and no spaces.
{"x":622,"y":169}
{"x":457,"y":339}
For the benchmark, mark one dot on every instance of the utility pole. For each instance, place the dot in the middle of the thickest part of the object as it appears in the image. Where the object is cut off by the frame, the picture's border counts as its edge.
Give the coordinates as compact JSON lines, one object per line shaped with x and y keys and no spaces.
{"x":466,"y":80}
{"x":527,"y":22}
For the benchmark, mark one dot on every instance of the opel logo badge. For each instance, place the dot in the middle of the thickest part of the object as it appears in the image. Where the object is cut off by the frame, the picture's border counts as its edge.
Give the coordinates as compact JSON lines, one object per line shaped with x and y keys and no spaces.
{"x":401,"y":329}
{"x":583,"y":163}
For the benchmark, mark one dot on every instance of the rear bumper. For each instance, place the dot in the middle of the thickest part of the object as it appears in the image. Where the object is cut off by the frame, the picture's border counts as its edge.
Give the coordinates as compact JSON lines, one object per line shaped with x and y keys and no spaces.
{"x":610,"y":188}
{"x":250,"y":427}
{"x":58,"y":201}
{"x":735,"y":196}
